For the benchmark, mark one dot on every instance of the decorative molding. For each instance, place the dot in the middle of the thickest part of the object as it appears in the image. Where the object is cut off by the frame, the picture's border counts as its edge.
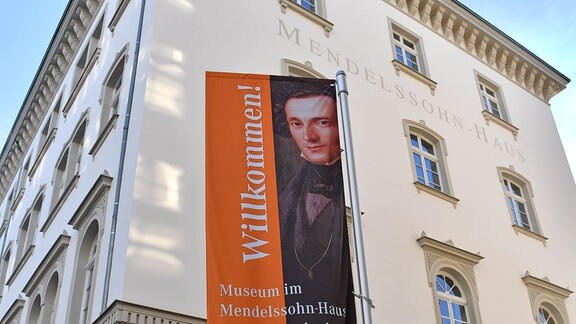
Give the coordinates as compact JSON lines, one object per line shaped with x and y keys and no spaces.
{"x":328,"y":26}
{"x":53,"y":259}
{"x":71,"y":186}
{"x":442,"y":195}
{"x":14,"y":312}
{"x":42,"y":152}
{"x":120,"y":312}
{"x":95,"y":199}
{"x":543,"y":291}
{"x":20,"y":264}
{"x":529,"y":233}
{"x":93,"y":58}
{"x":489,"y":117}
{"x":42,"y":92}
{"x":399,"y":66}
{"x":103,"y":135}
{"x":460,"y":26}
{"x":119,"y":12}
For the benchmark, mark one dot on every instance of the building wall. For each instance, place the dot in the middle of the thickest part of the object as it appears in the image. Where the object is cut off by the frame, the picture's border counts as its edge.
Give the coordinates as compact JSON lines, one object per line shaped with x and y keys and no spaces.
{"x":159,"y":242}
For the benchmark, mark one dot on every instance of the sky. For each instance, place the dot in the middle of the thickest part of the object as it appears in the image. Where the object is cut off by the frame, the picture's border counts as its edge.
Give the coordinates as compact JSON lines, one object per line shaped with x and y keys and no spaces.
{"x":546,"y":28}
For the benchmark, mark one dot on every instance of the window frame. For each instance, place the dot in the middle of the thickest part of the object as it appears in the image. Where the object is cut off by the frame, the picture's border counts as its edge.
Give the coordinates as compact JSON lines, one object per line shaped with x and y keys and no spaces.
{"x":421,"y":74}
{"x":547,"y":295}
{"x":422,"y":131}
{"x":446,"y":258}
{"x":503,"y":117}
{"x":510,"y":176}
{"x":319,"y":16}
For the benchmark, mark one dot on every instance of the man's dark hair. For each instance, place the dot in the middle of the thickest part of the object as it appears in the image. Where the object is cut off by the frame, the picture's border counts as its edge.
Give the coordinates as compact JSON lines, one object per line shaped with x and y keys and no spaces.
{"x":283,"y":90}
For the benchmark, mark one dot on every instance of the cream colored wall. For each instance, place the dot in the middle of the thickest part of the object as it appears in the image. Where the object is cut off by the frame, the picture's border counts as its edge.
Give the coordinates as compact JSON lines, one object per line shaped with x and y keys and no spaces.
{"x":183,"y":39}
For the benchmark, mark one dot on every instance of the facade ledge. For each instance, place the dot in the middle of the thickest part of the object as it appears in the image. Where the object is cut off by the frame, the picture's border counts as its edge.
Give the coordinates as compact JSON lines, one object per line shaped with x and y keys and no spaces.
{"x":448,"y":249}
{"x":18,"y":267}
{"x":118,"y":14}
{"x":489,"y":117}
{"x":437,"y":193}
{"x":103,"y":135}
{"x":42,"y":152}
{"x":120,"y":312}
{"x":73,"y":183}
{"x":80,"y":83}
{"x":14,"y":312}
{"x":322,"y":22}
{"x":529,"y":233}
{"x":401,"y":67}
{"x":544,"y":285}
{"x":51,"y":258}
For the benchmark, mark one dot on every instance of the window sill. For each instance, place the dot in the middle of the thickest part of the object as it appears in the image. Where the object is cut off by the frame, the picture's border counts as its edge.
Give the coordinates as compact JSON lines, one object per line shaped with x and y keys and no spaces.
{"x":401,"y":67}
{"x":497,"y":120}
{"x":81,"y":81}
{"x":20,"y":265}
{"x":18,"y":199}
{"x":71,"y":186}
{"x":42,"y":152}
{"x":308,"y":14}
{"x":422,"y":187}
{"x":103,"y":135}
{"x":534,"y":235}
{"x":119,"y":12}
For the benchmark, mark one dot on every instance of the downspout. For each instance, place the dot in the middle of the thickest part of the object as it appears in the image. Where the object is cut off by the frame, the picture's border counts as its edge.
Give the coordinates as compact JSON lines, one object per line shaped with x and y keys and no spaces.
{"x":122,"y":159}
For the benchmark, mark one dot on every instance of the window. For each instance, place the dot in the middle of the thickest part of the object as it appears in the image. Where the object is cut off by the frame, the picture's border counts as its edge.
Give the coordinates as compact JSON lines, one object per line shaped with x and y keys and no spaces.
{"x":493,"y":107}
{"x":490,"y":100}
{"x":409,"y":56}
{"x":112,"y":87}
{"x":518,"y":194}
{"x":67,"y":169}
{"x":47,"y":135}
{"x":427,"y":154}
{"x":547,"y":300}
{"x":450,"y":271}
{"x":405,"y":51}
{"x":35,"y":310}
{"x":309,"y":5}
{"x":545,"y":317}
{"x":84,"y":65}
{"x":4,"y":273}
{"x":311,"y":9}
{"x":82,"y":294}
{"x":451,"y":302}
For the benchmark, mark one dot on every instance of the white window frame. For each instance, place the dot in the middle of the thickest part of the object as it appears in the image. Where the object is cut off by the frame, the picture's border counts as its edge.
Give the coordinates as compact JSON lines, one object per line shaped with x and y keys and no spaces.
{"x":491,"y":94}
{"x":399,"y":37}
{"x":317,"y":16}
{"x":523,"y":196}
{"x":423,"y":134}
{"x":452,"y":300}
{"x":549,"y":296}
{"x":444,"y":258}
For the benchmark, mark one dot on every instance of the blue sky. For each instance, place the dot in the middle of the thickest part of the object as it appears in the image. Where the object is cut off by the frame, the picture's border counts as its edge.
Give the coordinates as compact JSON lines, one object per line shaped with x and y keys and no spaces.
{"x":544,"y":27}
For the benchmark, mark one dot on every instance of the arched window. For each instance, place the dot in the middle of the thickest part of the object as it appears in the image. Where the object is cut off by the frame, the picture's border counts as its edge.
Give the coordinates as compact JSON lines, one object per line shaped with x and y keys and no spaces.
{"x":450,"y":272}
{"x":82,"y":294}
{"x":451,"y":301}
{"x":547,"y":300}
{"x":49,"y":308}
{"x":545,"y":317}
{"x":35,"y":311}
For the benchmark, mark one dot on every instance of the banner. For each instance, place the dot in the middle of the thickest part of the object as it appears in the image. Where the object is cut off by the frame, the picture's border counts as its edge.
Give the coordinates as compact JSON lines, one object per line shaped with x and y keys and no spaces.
{"x":276,"y":234}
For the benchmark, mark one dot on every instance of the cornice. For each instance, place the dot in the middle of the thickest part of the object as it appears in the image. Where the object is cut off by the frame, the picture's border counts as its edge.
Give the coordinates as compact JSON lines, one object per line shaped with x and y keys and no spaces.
{"x":462,"y":27}
{"x":65,"y":43}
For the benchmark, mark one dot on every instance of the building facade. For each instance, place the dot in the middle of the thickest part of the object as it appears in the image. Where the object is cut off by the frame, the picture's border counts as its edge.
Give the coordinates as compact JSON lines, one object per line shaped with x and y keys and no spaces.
{"x":464,"y":184}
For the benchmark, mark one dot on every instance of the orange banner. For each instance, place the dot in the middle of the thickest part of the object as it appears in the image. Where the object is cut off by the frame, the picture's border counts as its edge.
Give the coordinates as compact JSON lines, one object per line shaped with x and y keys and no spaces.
{"x":244,"y":266}
{"x":276,"y":232}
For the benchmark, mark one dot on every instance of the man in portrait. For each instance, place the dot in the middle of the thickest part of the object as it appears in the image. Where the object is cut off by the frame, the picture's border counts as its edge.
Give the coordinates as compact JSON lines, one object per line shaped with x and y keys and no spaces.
{"x":315,"y":251}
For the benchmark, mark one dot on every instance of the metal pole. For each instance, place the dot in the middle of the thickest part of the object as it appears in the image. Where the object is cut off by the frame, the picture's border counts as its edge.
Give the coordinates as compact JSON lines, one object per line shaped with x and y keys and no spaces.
{"x":363,"y":294}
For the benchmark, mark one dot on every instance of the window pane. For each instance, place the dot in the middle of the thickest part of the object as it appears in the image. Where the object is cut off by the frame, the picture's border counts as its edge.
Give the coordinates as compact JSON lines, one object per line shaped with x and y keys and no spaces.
{"x":444,"y":308}
{"x":427,"y":147}
{"x":414,"y":140}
